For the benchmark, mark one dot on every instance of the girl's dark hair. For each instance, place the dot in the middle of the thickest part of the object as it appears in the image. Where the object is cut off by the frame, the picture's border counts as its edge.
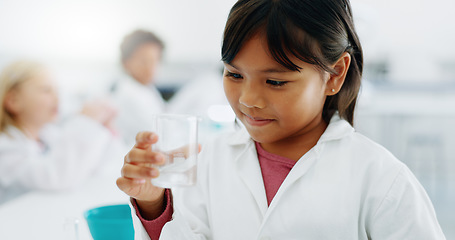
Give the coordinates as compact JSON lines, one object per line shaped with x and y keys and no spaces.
{"x":315,"y":31}
{"x":135,"y":39}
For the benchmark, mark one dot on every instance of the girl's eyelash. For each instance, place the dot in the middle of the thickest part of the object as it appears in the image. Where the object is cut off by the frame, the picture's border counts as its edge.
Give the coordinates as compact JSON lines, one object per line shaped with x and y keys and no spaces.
{"x":234,"y":75}
{"x":276,"y":83}
{"x":273,"y":83}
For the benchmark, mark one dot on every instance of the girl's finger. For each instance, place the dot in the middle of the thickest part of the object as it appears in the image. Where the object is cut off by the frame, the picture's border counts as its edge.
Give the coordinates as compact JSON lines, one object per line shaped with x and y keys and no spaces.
{"x":130,"y":186}
{"x":145,"y":139}
{"x":124,"y":182}
{"x":139,"y":172}
{"x":137,"y":156}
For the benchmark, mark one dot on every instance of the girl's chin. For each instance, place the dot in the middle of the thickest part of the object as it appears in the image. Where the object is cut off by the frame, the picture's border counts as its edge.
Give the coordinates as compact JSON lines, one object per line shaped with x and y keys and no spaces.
{"x":259,"y":137}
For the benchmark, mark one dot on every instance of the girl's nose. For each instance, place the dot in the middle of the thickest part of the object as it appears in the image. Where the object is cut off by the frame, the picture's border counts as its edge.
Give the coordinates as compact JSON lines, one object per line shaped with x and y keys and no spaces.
{"x":251,"y":97}
{"x":246,"y":104}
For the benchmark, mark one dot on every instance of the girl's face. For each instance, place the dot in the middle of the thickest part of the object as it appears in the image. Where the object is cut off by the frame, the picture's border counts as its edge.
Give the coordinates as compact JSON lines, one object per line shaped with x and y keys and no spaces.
{"x":275,"y":104}
{"x":35,"y":101}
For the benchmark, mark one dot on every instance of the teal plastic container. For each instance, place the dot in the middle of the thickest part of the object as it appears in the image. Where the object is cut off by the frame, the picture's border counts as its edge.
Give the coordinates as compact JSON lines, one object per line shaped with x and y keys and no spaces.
{"x":110,"y":222}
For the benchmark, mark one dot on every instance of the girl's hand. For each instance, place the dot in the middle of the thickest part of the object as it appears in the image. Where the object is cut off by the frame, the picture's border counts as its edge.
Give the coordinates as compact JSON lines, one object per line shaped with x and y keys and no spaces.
{"x":137,"y":171}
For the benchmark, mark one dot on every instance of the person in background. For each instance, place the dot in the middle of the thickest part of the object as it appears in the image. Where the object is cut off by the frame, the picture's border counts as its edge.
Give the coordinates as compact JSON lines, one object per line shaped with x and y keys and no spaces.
{"x":298,"y":169}
{"x":138,"y":98}
{"x":135,"y":95}
{"x":35,"y":152}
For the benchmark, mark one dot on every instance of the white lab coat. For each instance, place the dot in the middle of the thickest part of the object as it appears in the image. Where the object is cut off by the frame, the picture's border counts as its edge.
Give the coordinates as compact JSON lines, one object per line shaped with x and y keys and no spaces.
{"x":136,"y":105}
{"x":346,"y":187}
{"x":70,"y":154}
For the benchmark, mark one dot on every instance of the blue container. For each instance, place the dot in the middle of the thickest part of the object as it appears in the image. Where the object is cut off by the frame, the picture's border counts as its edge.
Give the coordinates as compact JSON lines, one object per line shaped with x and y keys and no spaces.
{"x":110,"y":222}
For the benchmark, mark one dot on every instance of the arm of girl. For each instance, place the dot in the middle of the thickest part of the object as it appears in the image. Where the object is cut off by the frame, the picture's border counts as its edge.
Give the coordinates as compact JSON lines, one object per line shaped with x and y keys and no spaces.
{"x":136,"y":174}
{"x":153,"y":205}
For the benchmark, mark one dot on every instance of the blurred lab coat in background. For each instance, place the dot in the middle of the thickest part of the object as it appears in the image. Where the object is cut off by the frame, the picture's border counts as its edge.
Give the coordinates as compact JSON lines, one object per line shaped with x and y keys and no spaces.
{"x":66,"y":156}
{"x":136,"y":104}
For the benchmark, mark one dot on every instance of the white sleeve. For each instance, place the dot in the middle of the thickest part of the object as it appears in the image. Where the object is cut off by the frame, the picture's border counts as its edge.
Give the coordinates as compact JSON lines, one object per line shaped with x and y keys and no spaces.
{"x":191,"y":207}
{"x":189,"y":220}
{"x":74,"y":153}
{"x":406,"y":212}
{"x":139,"y":231}
{"x":177,"y":228}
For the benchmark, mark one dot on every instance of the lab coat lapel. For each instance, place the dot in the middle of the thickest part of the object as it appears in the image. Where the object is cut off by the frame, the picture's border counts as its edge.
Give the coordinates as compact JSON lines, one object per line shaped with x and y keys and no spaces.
{"x":303,"y":165}
{"x":249,"y":171}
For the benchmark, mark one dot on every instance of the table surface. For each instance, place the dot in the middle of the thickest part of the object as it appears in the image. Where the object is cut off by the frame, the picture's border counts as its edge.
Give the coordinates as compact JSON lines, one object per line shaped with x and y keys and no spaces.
{"x":52,"y":215}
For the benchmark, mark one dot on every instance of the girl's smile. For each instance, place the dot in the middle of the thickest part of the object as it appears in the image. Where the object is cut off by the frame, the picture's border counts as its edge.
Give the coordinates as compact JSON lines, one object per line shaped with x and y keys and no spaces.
{"x":256,"y":121}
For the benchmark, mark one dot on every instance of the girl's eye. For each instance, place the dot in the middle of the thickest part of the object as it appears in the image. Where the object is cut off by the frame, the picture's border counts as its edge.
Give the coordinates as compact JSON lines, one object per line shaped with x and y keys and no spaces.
{"x":234,"y":75}
{"x":276,"y":83}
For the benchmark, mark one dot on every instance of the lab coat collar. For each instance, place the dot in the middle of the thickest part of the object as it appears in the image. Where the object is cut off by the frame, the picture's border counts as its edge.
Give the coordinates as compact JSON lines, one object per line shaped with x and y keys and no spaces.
{"x":240,"y":137}
{"x":249,"y":170}
{"x":14,"y":132}
{"x":131,"y":81}
{"x":337,"y":129}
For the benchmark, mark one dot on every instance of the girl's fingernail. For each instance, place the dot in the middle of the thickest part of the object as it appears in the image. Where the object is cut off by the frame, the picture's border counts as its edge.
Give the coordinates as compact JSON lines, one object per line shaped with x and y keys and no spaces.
{"x":154,"y":173}
{"x":159,"y":158}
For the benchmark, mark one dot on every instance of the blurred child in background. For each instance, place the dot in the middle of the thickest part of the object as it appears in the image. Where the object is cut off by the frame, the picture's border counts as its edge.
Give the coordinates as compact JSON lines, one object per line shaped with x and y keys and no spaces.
{"x":138,"y":99}
{"x":136,"y":96}
{"x":36,"y":154}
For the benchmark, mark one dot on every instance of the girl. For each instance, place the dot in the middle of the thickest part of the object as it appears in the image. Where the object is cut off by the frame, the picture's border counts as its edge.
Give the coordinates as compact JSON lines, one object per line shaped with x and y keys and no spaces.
{"x":298,"y":170}
{"x":35,"y":155}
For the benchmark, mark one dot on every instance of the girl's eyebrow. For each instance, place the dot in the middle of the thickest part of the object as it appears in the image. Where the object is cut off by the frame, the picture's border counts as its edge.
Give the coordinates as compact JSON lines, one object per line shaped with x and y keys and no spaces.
{"x":276,"y":70}
{"x":267,"y":70}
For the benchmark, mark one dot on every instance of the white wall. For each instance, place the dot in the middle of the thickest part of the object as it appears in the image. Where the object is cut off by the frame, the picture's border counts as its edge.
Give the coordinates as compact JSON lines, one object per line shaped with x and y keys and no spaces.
{"x":81,"y":29}
{"x":80,"y":39}
{"x":413,"y":38}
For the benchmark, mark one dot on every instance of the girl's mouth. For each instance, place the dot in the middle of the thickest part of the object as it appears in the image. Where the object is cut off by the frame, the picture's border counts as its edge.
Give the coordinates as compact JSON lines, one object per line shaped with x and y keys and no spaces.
{"x":257,"y":121}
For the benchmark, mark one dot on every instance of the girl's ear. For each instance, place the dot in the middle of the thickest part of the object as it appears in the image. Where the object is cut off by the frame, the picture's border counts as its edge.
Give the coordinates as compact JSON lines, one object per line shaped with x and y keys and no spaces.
{"x":336,"y":80}
{"x":12,"y":103}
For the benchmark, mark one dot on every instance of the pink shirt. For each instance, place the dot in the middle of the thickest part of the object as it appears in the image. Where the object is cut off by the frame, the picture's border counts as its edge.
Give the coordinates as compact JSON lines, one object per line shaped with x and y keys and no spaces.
{"x":274,"y":169}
